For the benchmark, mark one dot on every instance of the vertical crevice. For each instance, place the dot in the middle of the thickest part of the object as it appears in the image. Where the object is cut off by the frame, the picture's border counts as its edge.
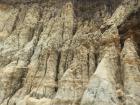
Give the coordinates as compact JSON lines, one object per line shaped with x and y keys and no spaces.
{"x":88,"y":65}
{"x":96,"y":54}
{"x":57,"y":69}
{"x":120,"y":73}
{"x":96,"y":60}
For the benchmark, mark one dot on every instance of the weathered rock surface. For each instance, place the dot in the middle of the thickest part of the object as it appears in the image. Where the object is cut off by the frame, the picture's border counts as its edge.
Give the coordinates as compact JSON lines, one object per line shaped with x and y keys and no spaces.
{"x":69,"y":52}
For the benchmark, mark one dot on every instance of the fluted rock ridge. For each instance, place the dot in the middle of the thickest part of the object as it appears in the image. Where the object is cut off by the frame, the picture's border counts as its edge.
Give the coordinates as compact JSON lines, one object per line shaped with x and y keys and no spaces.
{"x":69,"y":52}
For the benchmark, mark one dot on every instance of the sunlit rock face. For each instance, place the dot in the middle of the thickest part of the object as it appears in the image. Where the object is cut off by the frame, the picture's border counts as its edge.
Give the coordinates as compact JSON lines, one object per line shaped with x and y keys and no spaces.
{"x":69,"y":52}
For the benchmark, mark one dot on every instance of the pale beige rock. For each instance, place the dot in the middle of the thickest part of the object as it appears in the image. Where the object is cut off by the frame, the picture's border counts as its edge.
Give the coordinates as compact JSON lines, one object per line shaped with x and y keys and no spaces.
{"x":130,"y":62}
{"x":69,"y":52}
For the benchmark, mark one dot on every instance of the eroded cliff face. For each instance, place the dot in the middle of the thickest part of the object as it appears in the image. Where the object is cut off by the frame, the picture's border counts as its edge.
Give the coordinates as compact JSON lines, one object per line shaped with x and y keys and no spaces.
{"x":69,"y":52}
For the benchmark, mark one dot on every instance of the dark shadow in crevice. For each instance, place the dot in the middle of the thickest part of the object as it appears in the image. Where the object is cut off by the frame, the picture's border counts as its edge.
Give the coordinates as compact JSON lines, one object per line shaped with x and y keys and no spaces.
{"x":95,"y":9}
{"x":130,"y":28}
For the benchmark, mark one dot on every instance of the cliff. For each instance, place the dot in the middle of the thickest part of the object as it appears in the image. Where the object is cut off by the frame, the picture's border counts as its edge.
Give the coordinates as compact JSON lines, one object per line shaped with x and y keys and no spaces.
{"x":69,"y":52}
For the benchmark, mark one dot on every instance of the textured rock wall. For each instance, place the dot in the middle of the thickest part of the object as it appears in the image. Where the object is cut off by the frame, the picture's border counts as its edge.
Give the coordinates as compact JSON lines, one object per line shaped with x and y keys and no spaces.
{"x":69,"y":52}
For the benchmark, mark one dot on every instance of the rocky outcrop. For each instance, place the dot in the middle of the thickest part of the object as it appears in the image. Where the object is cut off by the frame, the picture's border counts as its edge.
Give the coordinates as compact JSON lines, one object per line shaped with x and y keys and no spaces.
{"x":69,"y":52}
